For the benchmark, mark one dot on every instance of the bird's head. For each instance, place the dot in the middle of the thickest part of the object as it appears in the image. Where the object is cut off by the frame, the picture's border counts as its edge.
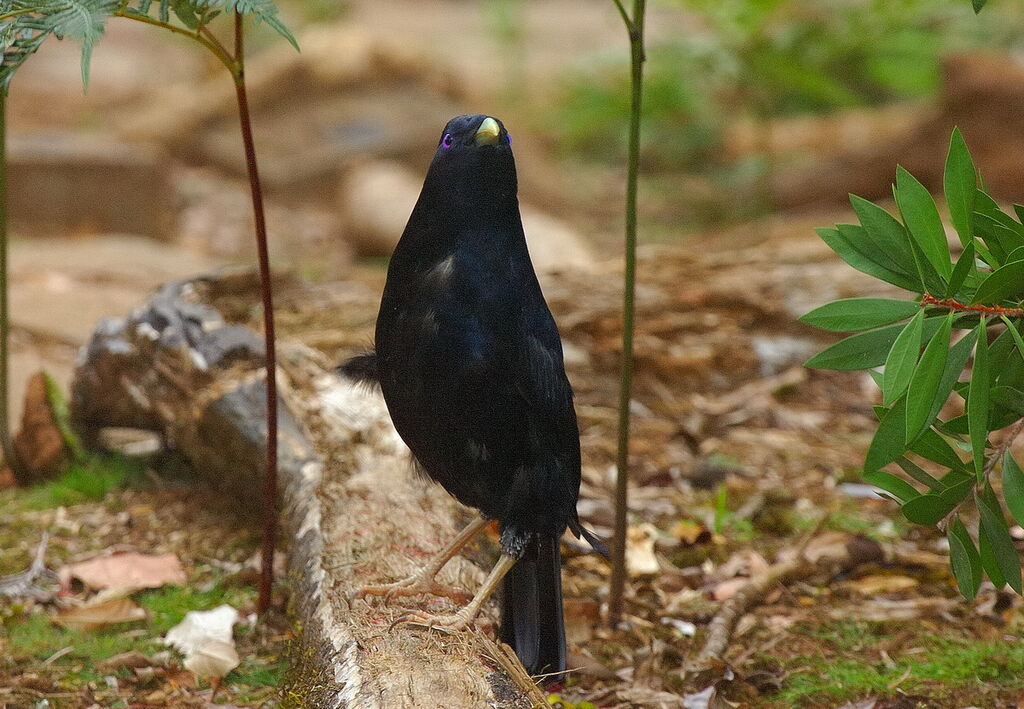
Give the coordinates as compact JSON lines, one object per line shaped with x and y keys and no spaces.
{"x":474,"y":160}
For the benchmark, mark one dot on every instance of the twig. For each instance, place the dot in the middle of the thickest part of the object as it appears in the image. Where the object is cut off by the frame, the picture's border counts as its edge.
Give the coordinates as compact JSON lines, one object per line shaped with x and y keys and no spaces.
{"x":217,"y":51}
{"x":507,"y":660}
{"x":929,"y":299}
{"x":735,"y":607}
{"x":1003,"y":446}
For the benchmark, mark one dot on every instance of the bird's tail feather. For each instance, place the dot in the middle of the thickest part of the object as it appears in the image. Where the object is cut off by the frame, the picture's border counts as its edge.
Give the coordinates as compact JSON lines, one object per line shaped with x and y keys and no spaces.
{"x":532,"y":621}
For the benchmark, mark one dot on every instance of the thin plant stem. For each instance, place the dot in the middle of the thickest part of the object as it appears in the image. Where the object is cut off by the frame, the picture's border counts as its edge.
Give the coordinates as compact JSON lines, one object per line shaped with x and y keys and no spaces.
{"x":5,"y":330}
{"x":270,"y":481}
{"x":215,"y":47}
{"x":635,"y":27}
{"x":14,"y":13}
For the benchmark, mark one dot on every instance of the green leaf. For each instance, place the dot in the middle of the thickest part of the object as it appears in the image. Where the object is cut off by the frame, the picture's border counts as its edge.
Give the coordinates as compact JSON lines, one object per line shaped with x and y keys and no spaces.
{"x":924,"y":383}
{"x":19,"y":39}
{"x":860,"y":313}
{"x":899,"y":364}
{"x":1013,"y":487}
{"x":988,"y":560}
{"x":978,"y":4}
{"x":964,"y":559}
{"x":928,"y":509}
{"x":852,"y":250}
{"x":1016,"y":255}
{"x":898,"y":487}
{"x":888,"y":238}
{"x":978,"y":399}
{"x":960,"y":182}
{"x":187,"y":12}
{"x":83,"y":20}
{"x":889,"y":441}
{"x":1003,"y":283}
{"x":866,"y":349}
{"x":1009,"y":398}
{"x":934,"y":447}
{"x":964,"y":267}
{"x":1015,"y":334}
{"x":262,"y":11}
{"x":933,"y":282}
{"x":994,"y":528}
{"x":955,"y":363}
{"x":922,"y":219}
{"x":919,"y":474}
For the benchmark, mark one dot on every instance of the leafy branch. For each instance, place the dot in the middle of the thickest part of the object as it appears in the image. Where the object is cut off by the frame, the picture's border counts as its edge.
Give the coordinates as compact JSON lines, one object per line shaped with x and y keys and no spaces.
{"x":968,"y":306}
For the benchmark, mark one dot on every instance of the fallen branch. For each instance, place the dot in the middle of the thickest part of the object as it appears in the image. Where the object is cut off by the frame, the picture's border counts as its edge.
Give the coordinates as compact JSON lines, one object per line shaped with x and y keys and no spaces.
{"x":721,"y":628}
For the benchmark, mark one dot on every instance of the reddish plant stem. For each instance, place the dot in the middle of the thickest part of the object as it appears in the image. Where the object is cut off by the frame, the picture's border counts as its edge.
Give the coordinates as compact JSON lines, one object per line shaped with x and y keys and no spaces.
{"x":929,"y":299}
{"x":270,"y":481}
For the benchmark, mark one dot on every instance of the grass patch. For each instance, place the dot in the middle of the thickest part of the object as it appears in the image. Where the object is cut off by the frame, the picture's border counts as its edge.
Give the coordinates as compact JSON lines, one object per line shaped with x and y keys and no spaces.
{"x":942,"y":665}
{"x":83,"y":481}
{"x":33,"y":638}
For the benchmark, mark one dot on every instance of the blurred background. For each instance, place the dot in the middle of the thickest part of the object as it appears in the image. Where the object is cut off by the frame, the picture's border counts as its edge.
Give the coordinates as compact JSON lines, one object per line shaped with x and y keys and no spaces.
{"x":753,"y":108}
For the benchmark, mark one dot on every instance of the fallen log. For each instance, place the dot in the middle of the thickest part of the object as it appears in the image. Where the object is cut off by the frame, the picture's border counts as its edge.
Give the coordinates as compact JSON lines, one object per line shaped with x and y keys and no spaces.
{"x":352,"y":511}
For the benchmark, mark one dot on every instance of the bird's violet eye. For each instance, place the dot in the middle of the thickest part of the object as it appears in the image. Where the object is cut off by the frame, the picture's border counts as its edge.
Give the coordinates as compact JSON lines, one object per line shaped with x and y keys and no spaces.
{"x":508,"y":136}
{"x":446,"y":141}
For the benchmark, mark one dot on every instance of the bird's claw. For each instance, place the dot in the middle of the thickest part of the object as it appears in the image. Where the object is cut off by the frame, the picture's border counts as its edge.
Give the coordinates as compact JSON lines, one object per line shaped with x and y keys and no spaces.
{"x":412,"y":587}
{"x":445,"y":623}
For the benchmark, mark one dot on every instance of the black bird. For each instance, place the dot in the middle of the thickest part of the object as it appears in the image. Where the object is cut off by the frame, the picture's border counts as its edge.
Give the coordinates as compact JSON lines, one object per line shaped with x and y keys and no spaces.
{"x":470,"y":364}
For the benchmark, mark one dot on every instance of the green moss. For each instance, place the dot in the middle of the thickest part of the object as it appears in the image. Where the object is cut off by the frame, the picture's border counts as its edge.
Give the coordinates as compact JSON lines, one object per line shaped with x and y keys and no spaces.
{"x":83,"y":481}
{"x":945,"y":666}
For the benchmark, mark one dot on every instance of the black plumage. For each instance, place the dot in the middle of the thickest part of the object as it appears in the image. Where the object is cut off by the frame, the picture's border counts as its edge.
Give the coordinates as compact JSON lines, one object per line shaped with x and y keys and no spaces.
{"x":469,"y":361}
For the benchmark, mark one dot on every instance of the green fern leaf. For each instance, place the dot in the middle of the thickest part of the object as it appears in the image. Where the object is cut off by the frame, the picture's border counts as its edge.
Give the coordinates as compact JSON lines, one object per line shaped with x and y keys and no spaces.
{"x":20,"y":37}
{"x":262,"y":11}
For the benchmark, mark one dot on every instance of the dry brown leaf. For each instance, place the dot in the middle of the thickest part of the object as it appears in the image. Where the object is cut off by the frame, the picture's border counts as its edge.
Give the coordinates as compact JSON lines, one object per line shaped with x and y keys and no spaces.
{"x":690,"y":532}
{"x":126,"y":571}
{"x":640,"y":557}
{"x":98,"y":615}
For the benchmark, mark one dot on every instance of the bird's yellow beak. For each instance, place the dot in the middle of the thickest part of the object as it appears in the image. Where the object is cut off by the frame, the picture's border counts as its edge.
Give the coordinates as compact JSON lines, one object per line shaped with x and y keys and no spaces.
{"x":488,"y":132}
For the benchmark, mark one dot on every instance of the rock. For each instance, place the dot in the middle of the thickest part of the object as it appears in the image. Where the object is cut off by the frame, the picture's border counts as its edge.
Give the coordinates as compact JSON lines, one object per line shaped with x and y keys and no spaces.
{"x":131,"y":442}
{"x":376,"y":199}
{"x":39,"y":444}
{"x":117,"y":271}
{"x":175,"y":366}
{"x":74,"y":183}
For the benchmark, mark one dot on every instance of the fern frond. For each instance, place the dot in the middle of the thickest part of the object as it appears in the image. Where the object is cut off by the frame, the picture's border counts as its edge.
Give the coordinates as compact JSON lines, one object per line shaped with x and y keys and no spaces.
{"x":261,"y":11}
{"x":23,"y":34}
{"x":20,"y":37}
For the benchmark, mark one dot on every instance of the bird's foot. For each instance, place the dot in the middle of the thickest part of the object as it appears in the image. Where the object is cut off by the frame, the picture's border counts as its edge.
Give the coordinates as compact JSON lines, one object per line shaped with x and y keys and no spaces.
{"x":452,"y":623}
{"x":414,"y":586}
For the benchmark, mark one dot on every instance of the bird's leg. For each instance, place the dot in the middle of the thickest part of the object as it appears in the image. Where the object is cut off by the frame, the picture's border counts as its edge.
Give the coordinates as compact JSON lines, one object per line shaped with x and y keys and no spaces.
{"x":423,"y":581}
{"x":465,"y":617}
